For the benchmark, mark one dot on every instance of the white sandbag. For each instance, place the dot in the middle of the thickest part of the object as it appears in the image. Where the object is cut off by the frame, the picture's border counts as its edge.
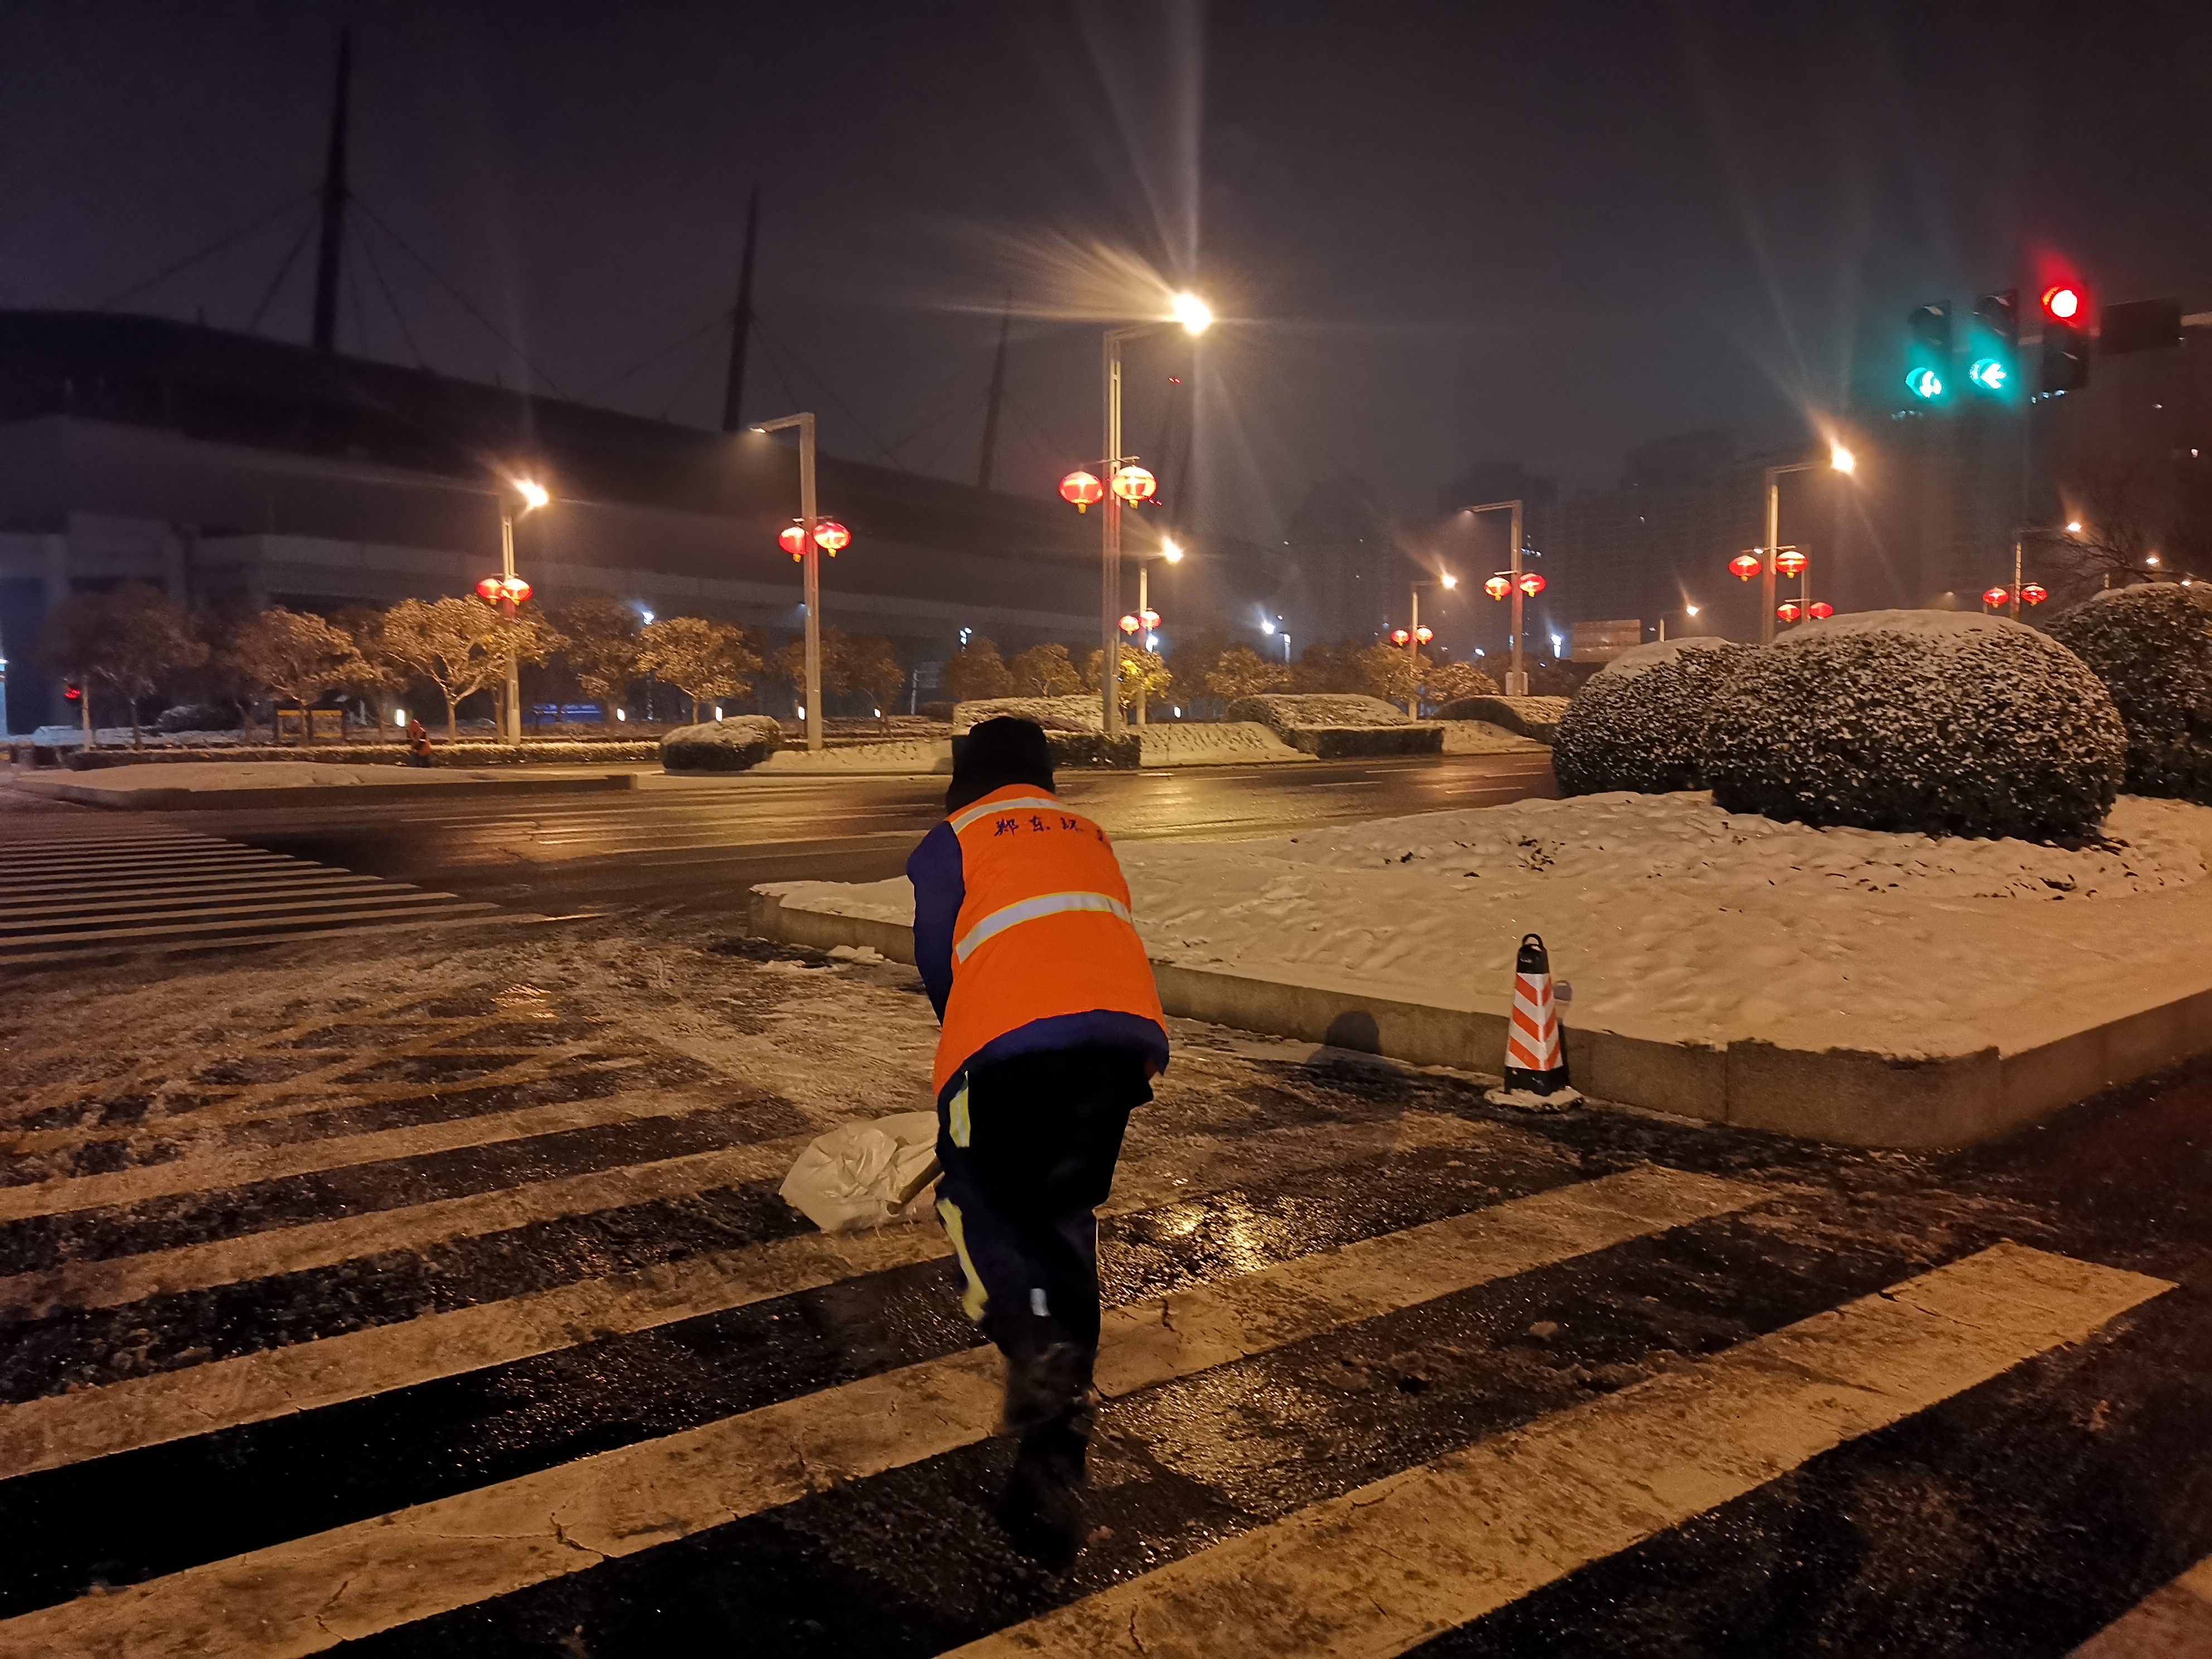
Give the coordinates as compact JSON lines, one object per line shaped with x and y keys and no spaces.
{"x":863,"y":1174}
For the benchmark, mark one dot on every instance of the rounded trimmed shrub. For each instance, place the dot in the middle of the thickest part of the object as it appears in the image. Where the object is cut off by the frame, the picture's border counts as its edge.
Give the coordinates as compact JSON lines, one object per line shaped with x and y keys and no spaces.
{"x":1928,"y":720}
{"x":1639,"y":724}
{"x":2152,"y":646}
{"x":736,"y":744}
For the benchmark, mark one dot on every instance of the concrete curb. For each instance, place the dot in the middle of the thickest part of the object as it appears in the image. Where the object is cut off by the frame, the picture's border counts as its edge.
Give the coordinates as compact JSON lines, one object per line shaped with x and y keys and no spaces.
{"x":1850,"y":1096}
{"x":171,"y":800}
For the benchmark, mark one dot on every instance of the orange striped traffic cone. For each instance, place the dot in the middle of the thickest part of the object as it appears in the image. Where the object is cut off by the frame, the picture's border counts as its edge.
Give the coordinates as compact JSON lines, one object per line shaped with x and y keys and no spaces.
{"x":1535,"y":1053}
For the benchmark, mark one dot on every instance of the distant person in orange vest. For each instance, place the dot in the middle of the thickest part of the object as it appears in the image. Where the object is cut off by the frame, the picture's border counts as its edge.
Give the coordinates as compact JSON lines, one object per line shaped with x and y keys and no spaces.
{"x":1052,"y":1031}
{"x":418,"y":743}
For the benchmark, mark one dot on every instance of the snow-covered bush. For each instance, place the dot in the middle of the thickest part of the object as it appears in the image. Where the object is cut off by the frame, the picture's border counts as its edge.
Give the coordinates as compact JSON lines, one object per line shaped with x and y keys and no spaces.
{"x":2152,"y":646}
{"x":730,"y":746}
{"x":1527,"y":717}
{"x":1085,"y":713}
{"x":1285,"y":711}
{"x":1928,"y":720}
{"x":1640,"y":723}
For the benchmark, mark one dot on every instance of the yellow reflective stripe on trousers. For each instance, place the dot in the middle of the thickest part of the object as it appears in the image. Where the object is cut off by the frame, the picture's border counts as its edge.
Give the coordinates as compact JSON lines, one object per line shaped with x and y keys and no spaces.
{"x":1028,"y":909}
{"x":973,"y":1302}
{"x":1021,"y":803}
{"x":958,"y":1114}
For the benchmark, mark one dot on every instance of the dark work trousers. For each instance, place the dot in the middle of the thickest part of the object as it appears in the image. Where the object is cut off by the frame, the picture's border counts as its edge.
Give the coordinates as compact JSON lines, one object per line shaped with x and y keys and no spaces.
{"x":1028,"y":1145}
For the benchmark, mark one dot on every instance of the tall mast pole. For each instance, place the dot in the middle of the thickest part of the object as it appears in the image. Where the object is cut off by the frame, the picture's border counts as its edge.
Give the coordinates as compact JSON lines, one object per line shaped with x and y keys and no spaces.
{"x":997,"y":394}
{"x":331,"y":249}
{"x":741,"y":320}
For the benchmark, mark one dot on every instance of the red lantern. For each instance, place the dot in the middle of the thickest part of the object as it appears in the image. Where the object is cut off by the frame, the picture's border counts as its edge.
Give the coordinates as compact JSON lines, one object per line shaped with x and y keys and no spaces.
{"x":1399,"y":636}
{"x":1531,"y":584}
{"x":517,"y":589}
{"x":829,"y":536}
{"x":1790,"y":563}
{"x":793,"y":540}
{"x":1788,"y":610}
{"x":1424,"y":635}
{"x":2033,"y":593}
{"x":488,"y":590}
{"x":1149,"y":618}
{"x":1498,"y":586}
{"x":1819,"y":610}
{"x":492,"y":589}
{"x":1080,"y":490}
{"x":1130,"y":624}
{"x":1744,"y":565}
{"x":1133,"y":485}
{"x":1996,"y":596}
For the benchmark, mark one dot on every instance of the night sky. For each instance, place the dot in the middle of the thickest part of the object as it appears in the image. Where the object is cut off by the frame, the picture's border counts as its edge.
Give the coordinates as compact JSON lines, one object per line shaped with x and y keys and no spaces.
{"x":1440,"y":232}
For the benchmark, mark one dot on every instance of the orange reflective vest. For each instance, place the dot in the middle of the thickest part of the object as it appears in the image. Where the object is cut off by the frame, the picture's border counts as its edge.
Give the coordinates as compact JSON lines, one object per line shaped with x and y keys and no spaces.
{"x":1044,"y":928}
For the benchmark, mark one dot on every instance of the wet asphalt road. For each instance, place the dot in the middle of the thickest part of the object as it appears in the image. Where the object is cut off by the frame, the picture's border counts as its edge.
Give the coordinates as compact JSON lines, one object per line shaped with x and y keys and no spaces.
{"x":696,"y":845}
{"x":334,"y":1276}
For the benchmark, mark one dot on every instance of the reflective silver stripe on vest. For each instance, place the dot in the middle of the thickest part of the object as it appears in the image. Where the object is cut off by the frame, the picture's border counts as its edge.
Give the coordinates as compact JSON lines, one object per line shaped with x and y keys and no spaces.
{"x":1020,"y":803}
{"x":1028,"y":909}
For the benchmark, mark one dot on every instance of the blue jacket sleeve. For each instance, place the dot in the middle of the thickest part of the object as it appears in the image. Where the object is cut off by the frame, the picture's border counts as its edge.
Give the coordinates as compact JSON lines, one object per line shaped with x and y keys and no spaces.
{"x":940,"y":890}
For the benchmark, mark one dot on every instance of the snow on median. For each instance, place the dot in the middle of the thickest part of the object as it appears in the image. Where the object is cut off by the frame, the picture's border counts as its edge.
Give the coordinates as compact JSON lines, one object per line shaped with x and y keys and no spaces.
{"x":1677,"y":921}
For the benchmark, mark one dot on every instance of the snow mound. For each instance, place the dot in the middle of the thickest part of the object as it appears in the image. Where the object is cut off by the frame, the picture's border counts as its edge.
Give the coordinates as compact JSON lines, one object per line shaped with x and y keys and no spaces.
{"x":2152,"y":647}
{"x":1291,"y":711}
{"x":730,"y":746}
{"x":1640,"y":722}
{"x":1481,"y":738}
{"x":1083,"y":714}
{"x":1196,"y":743}
{"x":1918,"y":721}
{"x":1532,"y":717}
{"x":905,"y":756}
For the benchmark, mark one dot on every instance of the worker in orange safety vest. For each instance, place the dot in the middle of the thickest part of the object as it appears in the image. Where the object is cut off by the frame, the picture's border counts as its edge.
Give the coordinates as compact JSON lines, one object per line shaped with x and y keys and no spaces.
{"x":1052,"y":1031}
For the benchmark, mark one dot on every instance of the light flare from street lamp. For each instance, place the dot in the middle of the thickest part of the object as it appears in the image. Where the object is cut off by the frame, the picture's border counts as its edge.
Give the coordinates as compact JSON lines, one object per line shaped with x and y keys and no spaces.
{"x":1449,"y":579}
{"x":1842,"y":459}
{"x":1192,"y":313}
{"x":1170,"y":551}
{"x":2074,"y":527}
{"x":534,"y":494}
{"x":1690,"y":610}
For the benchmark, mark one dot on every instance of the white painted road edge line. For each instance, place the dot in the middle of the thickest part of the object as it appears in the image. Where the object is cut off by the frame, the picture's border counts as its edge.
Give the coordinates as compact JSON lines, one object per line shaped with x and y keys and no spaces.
{"x":1379,"y":1571}
{"x":310,"y":1593}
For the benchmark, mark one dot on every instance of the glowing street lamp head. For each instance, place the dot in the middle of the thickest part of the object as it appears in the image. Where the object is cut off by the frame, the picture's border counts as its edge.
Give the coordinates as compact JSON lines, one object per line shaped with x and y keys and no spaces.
{"x":1191,"y":312}
{"x":1842,"y":459}
{"x":1449,"y":579}
{"x":2074,"y":527}
{"x":1170,"y":551}
{"x":534,"y":494}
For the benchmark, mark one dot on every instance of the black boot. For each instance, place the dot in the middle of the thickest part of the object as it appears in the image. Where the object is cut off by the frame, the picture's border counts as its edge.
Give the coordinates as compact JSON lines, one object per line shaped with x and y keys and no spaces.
{"x":1047,"y":1374}
{"x":1041,"y":1508}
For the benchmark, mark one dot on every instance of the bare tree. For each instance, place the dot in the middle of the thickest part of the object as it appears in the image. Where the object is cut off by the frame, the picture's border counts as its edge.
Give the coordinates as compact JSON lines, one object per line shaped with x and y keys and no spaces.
{"x":126,"y":640}
{"x":1453,"y":680}
{"x":1143,"y":670}
{"x":976,"y":672}
{"x":872,"y":666}
{"x":1046,"y":671}
{"x":1326,"y":666}
{"x":1393,"y":673}
{"x":456,"y":644}
{"x":1241,"y":671}
{"x":602,"y":648}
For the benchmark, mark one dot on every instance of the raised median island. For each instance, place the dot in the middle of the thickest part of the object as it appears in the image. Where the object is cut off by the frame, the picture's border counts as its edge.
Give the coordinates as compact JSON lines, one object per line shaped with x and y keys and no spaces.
{"x":1851,"y":985}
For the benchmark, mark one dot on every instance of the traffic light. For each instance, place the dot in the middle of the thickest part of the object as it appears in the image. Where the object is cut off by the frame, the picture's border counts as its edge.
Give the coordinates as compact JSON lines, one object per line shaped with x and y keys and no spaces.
{"x":2065,"y":338}
{"x":1993,"y":345}
{"x":1927,"y":353}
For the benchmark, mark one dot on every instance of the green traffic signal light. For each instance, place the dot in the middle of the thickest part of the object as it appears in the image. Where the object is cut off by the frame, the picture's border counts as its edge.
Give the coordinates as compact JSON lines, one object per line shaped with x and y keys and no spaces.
{"x":1992,"y":375}
{"x":1924,"y":383}
{"x":1927,"y":353}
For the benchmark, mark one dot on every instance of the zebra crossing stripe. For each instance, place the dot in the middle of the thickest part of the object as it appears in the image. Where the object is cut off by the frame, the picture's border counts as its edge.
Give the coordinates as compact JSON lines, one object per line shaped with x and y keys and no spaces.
{"x":87,"y":1422}
{"x":309,"y":1594}
{"x":1380,"y":1569}
{"x":2172,"y":1623}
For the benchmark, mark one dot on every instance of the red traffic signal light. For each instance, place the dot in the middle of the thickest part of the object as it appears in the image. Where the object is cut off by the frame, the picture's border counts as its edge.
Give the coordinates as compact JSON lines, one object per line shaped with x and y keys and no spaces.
{"x":2062,"y":301}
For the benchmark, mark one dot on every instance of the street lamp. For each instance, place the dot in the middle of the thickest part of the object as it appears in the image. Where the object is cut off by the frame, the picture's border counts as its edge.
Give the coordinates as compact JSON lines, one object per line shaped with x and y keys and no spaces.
{"x":1126,"y":481}
{"x":1173,"y":554}
{"x":1517,"y":679}
{"x":1840,"y":459}
{"x":815,"y":536}
{"x":2031,"y":592}
{"x":508,"y":590}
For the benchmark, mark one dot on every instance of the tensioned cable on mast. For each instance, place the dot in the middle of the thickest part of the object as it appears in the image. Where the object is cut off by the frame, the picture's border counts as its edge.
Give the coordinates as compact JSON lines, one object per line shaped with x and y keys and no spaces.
{"x":459,"y":299}
{"x":399,"y":317}
{"x":775,"y":345}
{"x":209,"y":251}
{"x":720,"y":319}
{"x":253,"y":323}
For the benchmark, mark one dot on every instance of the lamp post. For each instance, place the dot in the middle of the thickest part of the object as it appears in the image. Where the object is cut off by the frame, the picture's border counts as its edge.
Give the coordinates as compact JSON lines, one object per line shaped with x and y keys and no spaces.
{"x":512,"y":590}
{"x":1517,"y":679}
{"x":1191,"y":311}
{"x":1445,"y":580}
{"x":814,"y":536}
{"x":2020,"y":534}
{"x":1840,"y":459}
{"x":1173,"y":554}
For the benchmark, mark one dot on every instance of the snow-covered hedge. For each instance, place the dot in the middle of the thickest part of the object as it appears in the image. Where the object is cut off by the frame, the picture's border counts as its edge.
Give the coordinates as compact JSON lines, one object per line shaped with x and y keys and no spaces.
{"x":1284,"y":713}
{"x":1084,"y":714}
{"x":2152,"y":646}
{"x":730,"y":746}
{"x":1928,"y":720}
{"x":545,"y":751}
{"x":1639,"y":725}
{"x":1527,"y":717}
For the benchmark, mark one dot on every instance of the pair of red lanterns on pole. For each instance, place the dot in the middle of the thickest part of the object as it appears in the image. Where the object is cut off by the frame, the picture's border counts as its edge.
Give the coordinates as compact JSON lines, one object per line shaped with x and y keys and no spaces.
{"x":1789,"y":611}
{"x":1787,"y":561}
{"x":1502,"y":584}
{"x":2030,"y":593}
{"x":828,"y":536}
{"x":496,"y":590}
{"x":1140,"y":622}
{"x":1400,"y":636}
{"x":1081,"y":490}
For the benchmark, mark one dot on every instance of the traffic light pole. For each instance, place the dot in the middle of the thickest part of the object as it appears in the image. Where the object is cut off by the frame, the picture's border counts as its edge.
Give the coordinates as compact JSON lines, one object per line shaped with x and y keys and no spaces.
{"x":1773,"y":537}
{"x":510,"y":716}
{"x":811,"y":564}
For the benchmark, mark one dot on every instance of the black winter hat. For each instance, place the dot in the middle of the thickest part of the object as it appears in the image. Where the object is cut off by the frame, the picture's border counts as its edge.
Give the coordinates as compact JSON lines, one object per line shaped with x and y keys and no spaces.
{"x":996,"y":753}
